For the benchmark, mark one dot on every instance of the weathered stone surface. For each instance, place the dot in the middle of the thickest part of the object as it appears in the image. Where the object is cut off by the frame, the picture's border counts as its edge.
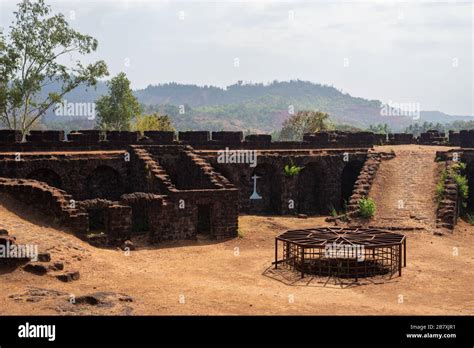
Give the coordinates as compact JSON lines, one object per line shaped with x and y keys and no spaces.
{"x":57,"y":266}
{"x":68,"y":276}
{"x":44,"y":257}
{"x":448,"y":208}
{"x":36,"y":268}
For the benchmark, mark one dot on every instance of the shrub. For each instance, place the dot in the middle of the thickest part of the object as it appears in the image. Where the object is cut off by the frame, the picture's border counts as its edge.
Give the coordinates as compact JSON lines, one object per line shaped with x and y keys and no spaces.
{"x":462,"y":182}
{"x":459,"y":167}
{"x":333,"y":212}
{"x":367,"y":207}
{"x":291,"y":170}
{"x":463,"y":187}
{"x":457,"y":173}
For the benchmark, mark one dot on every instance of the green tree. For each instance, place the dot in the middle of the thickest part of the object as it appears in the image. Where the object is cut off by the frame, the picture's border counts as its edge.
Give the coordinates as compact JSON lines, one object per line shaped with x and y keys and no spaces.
{"x":30,"y":56}
{"x":116,"y":110}
{"x":153,"y":122}
{"x":417,"y":129}
{"x":305,"y":121}
{"x":380,"y":128}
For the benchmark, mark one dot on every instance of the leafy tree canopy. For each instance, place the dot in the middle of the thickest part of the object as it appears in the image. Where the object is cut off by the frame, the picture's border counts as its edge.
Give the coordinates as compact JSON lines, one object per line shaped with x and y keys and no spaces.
{"x":380,"y":129}
{"x":30,"y":60}
{"x":417,"y":129}
{"x":116,"y":110}
{"x":305,"y":121}
{"x":153,"y":122}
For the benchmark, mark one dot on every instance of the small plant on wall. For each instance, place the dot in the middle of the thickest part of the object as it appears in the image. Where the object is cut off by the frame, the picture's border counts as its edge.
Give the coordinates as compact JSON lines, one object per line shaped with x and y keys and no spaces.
{"x":367,"y":207}
{"x":458,"y":173}
{"x":291,"y":170}
{"x":460,"y":177}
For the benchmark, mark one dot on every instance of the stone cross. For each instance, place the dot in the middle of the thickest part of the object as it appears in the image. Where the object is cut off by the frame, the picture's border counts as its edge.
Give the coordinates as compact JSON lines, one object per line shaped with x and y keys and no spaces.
{"x":255,"y":195}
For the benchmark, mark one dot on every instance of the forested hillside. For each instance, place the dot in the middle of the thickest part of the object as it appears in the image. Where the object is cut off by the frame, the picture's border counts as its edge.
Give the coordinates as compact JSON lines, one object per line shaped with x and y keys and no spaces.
{"x":248,"y":107}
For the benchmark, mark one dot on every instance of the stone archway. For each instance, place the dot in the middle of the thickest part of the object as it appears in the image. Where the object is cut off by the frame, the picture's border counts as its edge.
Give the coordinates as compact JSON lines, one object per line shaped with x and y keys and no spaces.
{"x":268,"y":188}
{"x":311,"y":192}
{"x":46,"y":175}
{"x":349,"y":176}
{"x":104,"y":182}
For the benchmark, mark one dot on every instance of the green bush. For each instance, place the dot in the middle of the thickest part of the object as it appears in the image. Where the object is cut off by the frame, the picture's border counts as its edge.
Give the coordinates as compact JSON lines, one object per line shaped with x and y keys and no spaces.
{"x":458,"y":172}
{"x":463,"y":186}
{"x":291,"y":170}
{"x":459,"y":167}
{"x":333,"y":212}
{"x":367,"y":207}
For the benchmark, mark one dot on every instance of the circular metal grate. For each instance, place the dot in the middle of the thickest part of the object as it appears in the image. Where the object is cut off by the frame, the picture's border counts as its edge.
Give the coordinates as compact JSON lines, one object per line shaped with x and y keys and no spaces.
{"x":342,"y":252}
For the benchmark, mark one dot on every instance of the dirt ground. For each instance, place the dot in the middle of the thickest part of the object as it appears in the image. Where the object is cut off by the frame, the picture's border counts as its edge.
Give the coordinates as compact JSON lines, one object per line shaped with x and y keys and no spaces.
{"x":227,"y":277}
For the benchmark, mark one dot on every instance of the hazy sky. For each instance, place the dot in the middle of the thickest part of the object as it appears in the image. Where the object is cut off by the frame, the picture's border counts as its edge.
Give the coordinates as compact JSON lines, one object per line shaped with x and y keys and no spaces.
{"x":414,"y":51}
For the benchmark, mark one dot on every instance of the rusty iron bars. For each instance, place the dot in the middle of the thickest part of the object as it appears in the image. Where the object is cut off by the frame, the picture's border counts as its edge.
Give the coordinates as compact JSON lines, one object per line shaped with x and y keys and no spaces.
{"x":342,"y":252}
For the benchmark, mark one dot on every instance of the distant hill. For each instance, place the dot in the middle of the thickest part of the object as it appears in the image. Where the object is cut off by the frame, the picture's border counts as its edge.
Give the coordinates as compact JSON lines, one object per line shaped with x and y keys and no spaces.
{"x":248,"y":107}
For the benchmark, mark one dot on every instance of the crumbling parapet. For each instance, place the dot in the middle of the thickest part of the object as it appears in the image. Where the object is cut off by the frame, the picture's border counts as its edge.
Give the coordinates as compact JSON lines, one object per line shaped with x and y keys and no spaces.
{"x":466,"y":138}
{"x":227,"y":137}
{"x":337,"y":139}
{"x":160,"y":137}
{"x":400,"y":139}
{"x":47,"y":199}
{"x":432,"y":137}
{"x":8,"y":136}
{"x":454,"y":138}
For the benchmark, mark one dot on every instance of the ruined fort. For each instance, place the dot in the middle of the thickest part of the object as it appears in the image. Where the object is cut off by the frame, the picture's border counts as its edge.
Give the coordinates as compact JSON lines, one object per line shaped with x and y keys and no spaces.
{"x":175,"y":187}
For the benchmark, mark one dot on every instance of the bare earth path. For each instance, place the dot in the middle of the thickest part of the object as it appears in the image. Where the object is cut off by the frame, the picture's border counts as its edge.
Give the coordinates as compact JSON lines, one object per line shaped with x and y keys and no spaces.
{"x":404,"y":187}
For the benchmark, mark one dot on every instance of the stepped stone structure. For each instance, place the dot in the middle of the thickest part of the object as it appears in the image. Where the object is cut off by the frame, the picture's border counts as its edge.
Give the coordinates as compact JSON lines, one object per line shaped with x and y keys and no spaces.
{"x":108,"y":187}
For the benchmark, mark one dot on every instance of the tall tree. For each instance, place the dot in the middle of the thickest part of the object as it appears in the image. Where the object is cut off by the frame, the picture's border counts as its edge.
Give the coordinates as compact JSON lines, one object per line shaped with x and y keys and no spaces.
{"x":116,"y":110}
{"x":305,"y":121}
{"x":30,"y":56}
